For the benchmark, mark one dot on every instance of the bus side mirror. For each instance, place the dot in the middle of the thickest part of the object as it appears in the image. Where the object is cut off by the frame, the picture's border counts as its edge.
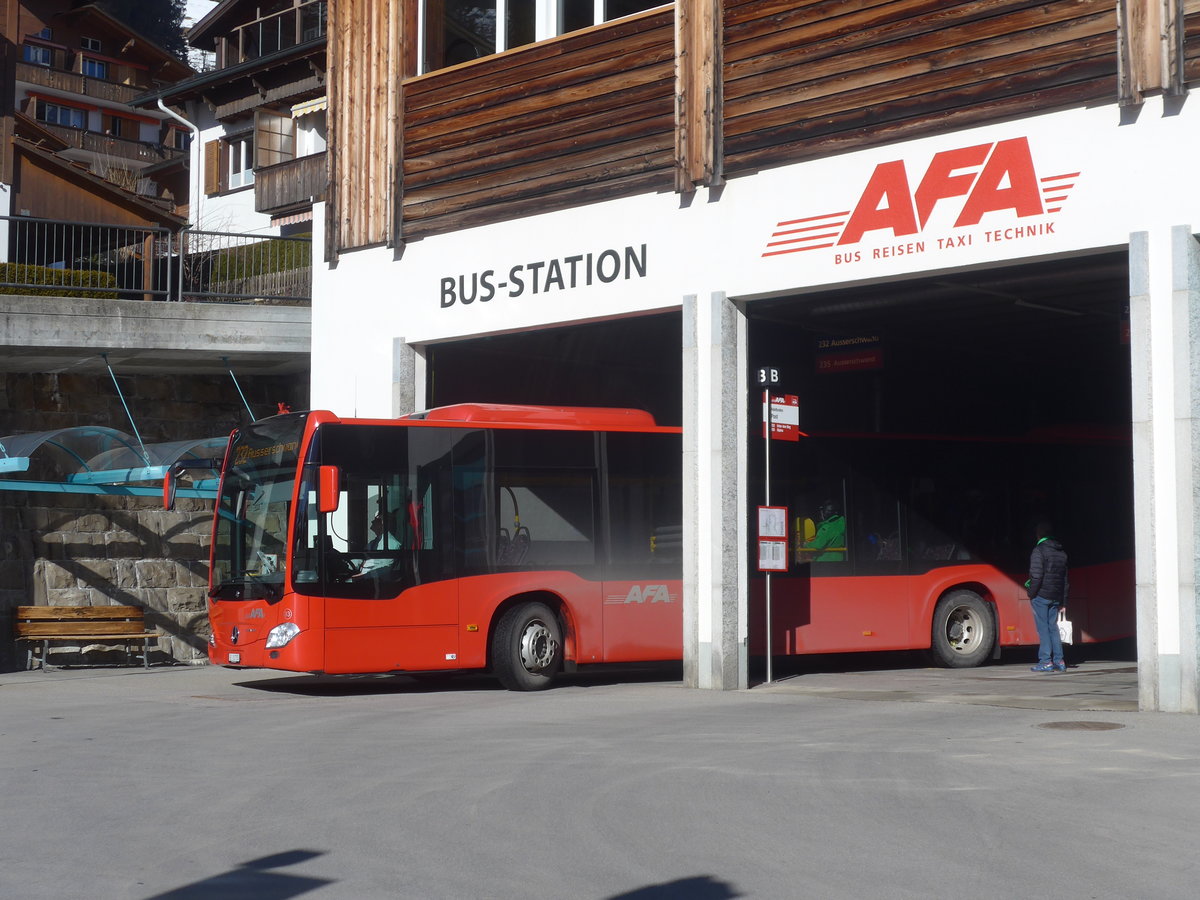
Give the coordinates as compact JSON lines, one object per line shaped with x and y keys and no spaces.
{"x":169,"y":484}
{"x":328,"y":489}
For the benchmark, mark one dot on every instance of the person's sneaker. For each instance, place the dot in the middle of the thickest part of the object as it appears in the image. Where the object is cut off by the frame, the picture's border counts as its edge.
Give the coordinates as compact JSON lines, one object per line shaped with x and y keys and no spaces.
{"x":1042,"y":667}
{"x":1060,"y":667}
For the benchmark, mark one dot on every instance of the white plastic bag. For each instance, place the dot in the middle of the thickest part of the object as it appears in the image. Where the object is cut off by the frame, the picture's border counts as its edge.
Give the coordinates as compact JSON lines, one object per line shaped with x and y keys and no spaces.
{"x":1065,"y":628}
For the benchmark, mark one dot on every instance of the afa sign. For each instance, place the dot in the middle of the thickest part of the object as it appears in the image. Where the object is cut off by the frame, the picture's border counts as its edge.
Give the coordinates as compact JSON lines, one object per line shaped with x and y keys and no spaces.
{"x":892,"y":214}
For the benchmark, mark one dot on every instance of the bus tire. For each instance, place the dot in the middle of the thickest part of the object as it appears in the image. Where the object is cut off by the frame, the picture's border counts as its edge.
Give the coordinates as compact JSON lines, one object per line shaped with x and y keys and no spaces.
{"x":964,"y":630}
{"x":527,"y":648}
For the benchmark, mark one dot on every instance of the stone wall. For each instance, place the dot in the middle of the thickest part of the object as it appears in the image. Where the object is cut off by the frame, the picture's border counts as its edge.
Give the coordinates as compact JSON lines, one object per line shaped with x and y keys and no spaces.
{"x":83,"y":549}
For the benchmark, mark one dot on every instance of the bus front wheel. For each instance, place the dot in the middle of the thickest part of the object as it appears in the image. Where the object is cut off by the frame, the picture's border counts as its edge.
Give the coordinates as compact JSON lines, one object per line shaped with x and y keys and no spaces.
{"x":964,"y":630}
{"x":527,"y":647}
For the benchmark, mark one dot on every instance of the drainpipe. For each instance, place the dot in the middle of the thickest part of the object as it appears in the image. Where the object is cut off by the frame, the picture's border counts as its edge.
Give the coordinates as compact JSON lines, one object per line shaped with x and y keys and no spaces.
{"x":194,"y":200}
{"x":196,"y":161}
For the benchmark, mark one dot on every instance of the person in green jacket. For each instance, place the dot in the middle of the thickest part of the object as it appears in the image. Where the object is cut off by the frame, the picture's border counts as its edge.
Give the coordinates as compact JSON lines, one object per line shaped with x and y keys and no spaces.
{"x":829,"y":543}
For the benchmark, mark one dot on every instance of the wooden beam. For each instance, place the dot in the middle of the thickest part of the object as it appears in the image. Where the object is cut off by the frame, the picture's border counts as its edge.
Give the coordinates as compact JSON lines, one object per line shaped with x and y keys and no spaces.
{"x":698,"y":94}
{"x":1150,"y":49}
{"x":363,"y":85}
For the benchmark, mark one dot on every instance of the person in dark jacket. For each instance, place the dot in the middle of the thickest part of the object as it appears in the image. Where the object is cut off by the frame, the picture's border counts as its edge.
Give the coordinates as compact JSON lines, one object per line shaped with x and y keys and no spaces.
{"x":1048,"y":587}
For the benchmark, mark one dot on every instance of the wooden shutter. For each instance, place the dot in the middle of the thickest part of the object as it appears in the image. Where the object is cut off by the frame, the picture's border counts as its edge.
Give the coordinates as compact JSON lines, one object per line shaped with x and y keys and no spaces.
{"x":212,"y":167}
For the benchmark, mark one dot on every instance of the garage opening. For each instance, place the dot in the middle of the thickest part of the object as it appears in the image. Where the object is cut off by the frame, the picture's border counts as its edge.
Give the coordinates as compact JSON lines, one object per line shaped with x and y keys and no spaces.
{"x":633,"y":362}
{"x":944,"y":419}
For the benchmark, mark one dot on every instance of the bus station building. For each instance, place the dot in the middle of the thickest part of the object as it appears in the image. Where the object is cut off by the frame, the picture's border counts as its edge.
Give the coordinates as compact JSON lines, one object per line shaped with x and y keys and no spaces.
{"x":915,"y":216}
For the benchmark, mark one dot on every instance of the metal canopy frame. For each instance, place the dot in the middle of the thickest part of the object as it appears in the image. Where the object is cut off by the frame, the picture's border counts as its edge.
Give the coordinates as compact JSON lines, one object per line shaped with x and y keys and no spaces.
{"x":105,"y":461}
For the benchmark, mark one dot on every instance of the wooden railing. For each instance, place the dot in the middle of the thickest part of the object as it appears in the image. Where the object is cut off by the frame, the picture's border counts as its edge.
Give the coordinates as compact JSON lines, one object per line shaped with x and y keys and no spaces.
{"x":107,"y":145}
{"x":73,"y":82}
{"x":524,"y":132}
{"x":291,"y":183}
{"x":278,"y":31}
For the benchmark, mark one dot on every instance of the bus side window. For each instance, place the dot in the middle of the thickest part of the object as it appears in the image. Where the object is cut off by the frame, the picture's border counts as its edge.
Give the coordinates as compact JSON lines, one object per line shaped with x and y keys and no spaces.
{"x":822,"y":537}
{"x":545,"y":518}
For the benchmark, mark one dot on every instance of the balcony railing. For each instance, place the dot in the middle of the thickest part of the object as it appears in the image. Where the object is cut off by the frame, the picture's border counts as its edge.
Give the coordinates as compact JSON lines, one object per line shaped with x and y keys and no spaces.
{"x":74,"y":83}
{"x":107,"y":145}
{"x":279,"y":31}
{"x":289,"y":184}
{"x":44,"y":257}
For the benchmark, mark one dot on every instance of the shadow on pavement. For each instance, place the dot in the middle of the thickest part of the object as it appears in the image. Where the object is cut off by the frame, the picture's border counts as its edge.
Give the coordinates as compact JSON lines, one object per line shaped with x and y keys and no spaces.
{"x":463,"y":682}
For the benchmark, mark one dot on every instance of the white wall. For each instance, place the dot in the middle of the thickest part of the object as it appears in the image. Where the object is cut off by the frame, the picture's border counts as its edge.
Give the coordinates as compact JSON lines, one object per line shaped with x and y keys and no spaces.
{"x":229,"y":212}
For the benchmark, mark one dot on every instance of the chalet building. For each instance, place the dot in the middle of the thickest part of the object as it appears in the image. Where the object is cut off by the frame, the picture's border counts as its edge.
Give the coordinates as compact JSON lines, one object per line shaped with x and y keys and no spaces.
{"x":74,"y":147}
{"x":94,"y":190}
{"x":259,"y":115}
{"x":973,"y":222}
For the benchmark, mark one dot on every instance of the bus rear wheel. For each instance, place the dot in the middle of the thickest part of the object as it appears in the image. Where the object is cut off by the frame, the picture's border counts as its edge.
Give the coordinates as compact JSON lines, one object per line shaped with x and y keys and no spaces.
{"x":964,"y":630}
{"x":527,"y":647}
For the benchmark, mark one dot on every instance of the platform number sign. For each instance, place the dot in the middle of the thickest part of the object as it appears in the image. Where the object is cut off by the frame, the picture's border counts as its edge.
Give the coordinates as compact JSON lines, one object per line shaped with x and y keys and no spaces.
{"x":768,"y":376}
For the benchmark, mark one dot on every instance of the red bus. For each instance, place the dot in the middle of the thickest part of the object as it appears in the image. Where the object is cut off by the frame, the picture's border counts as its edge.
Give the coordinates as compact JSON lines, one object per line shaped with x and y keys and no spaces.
{"x":933,"y":536}
{"x":520,"y":540}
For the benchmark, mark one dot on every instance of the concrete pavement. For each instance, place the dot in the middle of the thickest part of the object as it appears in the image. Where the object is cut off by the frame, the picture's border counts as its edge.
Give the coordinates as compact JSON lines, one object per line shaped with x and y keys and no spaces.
{"x":205,"y":782}
{"x":1100,"y":685}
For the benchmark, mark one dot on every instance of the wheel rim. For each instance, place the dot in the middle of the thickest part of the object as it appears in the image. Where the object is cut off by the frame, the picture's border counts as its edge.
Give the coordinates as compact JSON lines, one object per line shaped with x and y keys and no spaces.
{"x":538,"y":647}
{"x":962,"y":629}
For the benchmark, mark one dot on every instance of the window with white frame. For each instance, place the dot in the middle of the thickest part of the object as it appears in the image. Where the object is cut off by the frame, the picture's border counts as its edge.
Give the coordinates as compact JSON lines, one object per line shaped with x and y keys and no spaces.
{"x":90,"y":43}
{"x":457,"y":31}
{"x":240,"y":155}
{"x":37,"y":54}
{"x":94,"y":68}
{"x":57,"y":114}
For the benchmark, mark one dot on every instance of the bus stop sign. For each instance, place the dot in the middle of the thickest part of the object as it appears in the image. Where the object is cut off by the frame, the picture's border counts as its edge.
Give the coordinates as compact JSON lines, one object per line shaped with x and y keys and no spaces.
{"x":781,"y":416}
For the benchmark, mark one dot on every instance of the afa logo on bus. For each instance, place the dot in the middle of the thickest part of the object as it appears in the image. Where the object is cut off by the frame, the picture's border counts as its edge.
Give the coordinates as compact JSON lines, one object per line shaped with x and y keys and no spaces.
{"x":650,"y":593}
{"x":966,"y":184}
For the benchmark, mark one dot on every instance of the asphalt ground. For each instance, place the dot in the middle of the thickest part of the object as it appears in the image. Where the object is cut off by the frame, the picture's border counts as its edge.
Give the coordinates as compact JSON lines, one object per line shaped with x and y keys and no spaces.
{"x":835,"y":781}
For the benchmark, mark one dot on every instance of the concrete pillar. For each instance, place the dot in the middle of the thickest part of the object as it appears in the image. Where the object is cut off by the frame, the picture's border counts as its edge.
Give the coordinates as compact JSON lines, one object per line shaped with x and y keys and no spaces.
{"x":714,"y":491}
{"x":1164,"y":319}
{"x":408,"y":378}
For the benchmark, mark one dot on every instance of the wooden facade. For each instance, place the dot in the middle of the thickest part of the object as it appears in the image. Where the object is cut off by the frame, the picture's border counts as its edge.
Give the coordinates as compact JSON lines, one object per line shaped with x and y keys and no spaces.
{"x":704,"y":90}
{"x":525,"y":132}
{"x":820,"y":77}
{"x":367,"y":39}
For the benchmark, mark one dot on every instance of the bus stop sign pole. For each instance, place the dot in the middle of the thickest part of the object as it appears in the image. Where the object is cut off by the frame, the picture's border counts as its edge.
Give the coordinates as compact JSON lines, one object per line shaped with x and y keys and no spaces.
{"x":781,"y":421}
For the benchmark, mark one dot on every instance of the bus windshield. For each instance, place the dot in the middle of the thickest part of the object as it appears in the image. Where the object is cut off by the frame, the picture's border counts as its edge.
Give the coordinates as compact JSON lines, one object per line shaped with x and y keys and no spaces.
{"x":253,"y":509}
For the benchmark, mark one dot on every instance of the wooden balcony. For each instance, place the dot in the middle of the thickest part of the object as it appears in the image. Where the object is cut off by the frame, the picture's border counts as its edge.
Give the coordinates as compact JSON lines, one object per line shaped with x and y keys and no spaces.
{"x":74,"y":83}
{"x":290,"y":185}
{"x":118,"y":148}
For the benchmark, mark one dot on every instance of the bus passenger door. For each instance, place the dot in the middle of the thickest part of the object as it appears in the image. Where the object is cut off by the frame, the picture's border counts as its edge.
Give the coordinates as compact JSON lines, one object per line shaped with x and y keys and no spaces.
{"x":391,"y":603}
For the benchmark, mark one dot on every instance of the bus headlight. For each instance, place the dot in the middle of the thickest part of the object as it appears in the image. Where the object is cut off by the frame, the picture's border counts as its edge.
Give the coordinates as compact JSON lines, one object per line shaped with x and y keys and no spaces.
{"x":281,"y":635}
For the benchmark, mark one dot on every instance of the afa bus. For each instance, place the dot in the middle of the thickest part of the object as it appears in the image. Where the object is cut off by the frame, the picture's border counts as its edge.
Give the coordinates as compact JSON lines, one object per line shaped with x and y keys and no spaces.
{"x":908,"y":542}
{"x":526,"y":541}
{"x":518,"y":540}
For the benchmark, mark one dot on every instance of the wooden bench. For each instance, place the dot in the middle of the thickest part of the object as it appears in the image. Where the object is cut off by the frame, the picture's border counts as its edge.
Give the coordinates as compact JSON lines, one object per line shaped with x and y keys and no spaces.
{"x":83,"y":625}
